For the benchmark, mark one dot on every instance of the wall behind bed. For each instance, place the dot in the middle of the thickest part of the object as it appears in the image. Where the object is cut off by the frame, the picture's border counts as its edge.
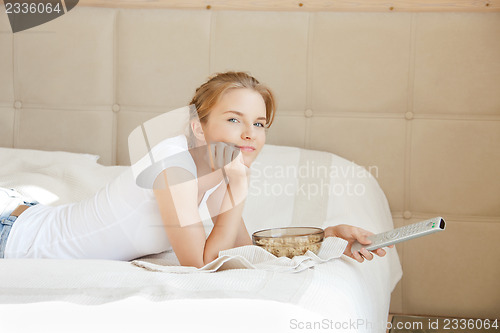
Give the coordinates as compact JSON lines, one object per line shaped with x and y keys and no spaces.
{"x":414,"y":95}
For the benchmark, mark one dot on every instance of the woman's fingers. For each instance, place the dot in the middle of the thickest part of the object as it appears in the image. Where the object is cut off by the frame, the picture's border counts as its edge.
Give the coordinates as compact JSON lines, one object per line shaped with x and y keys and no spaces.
{"x":362,"y":237}
{"x":357,"y":256}
{"x":352,"y":234}
{"x":366,"y":254}
{"x":222,"y":154}
{"x":360,"y":234}
{"x":231,"y":153}
{"x":226,"y":158}
{"x":236,"y":152}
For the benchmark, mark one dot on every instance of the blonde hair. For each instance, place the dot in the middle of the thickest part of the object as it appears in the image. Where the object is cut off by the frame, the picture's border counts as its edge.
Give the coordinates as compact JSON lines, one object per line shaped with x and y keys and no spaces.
{"x":209,"y":93}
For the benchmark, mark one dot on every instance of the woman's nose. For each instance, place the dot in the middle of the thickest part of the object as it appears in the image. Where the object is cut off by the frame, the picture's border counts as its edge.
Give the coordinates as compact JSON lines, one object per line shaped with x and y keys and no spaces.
{"x":247,"y":133}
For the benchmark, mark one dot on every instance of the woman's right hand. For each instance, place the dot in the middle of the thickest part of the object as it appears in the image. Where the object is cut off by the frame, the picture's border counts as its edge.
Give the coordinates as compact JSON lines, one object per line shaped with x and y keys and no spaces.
{"x":228,"y":157}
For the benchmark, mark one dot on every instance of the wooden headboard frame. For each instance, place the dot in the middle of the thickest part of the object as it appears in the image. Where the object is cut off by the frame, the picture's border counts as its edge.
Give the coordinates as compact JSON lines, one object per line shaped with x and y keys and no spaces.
{"x":307,"y":5}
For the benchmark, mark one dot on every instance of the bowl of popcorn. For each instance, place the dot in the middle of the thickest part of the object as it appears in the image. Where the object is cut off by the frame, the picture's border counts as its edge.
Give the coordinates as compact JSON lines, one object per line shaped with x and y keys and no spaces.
{"x":289,"y":241}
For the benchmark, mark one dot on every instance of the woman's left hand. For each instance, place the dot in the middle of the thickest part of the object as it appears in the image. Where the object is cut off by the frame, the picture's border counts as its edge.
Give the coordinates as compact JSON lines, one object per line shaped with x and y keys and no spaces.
{"x":351,"y":234}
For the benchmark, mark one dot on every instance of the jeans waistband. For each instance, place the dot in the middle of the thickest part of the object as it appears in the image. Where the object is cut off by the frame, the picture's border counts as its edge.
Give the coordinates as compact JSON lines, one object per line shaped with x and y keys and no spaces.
{"x":7,"y":219}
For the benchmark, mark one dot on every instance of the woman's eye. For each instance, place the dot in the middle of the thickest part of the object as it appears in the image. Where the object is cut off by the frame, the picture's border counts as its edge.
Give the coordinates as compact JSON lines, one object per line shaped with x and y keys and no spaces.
{"x":234,"y":120}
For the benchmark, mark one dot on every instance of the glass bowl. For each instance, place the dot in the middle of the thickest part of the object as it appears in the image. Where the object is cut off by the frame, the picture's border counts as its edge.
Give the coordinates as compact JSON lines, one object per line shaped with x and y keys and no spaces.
{"x":289,"y":241}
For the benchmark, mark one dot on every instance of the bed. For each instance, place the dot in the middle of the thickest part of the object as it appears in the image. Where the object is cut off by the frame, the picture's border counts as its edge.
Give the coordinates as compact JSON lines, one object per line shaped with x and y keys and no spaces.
{"x":289,"y":186}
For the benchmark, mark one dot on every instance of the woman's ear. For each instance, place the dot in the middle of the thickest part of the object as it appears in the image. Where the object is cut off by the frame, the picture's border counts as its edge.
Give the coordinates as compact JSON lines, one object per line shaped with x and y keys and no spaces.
{"x":198,"y":130}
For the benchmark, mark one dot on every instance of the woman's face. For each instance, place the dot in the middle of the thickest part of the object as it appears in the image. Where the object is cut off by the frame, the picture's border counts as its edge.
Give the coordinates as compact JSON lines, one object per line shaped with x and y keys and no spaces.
{"x":239,"y":118}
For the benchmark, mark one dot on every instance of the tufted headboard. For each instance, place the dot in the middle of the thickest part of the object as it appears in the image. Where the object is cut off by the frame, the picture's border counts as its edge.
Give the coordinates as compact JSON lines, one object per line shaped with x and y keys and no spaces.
{"x":412,"y":96}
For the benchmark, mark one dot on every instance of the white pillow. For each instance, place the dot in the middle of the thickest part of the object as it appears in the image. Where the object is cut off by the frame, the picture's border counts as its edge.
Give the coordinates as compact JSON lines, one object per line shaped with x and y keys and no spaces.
{"x":53,"y":177}
{"x":45,"y":156}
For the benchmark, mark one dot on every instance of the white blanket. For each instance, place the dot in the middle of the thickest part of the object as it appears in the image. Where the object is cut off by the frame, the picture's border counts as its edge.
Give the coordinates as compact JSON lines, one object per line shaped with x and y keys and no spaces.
{"x":338,"y":289}
{"x":249,"y":257}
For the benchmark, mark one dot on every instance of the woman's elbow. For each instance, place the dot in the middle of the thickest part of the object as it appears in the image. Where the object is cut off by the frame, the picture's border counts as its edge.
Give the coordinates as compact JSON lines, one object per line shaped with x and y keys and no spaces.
{"x":207,"y":258}
{"x":192,"y":263}
{"x":198,"y":263}
{"x":190,"y":259}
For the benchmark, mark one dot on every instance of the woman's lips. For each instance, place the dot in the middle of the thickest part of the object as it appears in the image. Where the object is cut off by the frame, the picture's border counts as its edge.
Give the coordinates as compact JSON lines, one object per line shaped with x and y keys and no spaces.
{"x":246,"y":148}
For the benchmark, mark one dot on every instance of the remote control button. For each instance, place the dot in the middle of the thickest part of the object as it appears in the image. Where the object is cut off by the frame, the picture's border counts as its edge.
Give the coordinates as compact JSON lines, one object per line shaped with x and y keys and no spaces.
{"x":392,"y":234}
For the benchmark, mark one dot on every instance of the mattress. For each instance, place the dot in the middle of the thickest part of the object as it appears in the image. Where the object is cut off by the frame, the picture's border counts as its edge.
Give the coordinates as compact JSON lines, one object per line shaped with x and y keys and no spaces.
{"x":288,"y":187}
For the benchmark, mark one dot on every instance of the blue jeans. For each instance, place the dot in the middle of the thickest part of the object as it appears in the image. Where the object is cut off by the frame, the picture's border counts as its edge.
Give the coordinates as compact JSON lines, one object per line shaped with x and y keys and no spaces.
{"x":10,"y":199}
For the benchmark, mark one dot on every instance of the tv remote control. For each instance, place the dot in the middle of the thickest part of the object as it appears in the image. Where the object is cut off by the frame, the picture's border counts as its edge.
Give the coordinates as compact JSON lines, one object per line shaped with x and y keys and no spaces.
{"x":402,"y":234}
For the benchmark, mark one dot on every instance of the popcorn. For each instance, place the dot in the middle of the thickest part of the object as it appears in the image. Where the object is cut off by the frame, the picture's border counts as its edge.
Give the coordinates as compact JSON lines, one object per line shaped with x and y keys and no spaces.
{"x":289,"y":245}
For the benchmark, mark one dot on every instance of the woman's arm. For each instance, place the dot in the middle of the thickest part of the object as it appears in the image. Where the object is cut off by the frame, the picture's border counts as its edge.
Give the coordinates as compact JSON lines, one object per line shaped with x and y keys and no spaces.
{"x":180,"y":216}
{"x":229,"y":219}
{"x":226,"y":230}
{"x":243,"y":237}
{"x":179,"y":210}
{"x":214,"y":204}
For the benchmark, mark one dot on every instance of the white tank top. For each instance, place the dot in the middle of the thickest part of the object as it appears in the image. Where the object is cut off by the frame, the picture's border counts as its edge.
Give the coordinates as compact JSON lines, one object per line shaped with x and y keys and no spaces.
{"x":120,"y":222}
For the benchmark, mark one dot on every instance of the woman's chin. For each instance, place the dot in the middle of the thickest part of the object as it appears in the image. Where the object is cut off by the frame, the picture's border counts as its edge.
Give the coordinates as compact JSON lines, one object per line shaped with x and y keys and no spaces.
{"x":247,"y":160}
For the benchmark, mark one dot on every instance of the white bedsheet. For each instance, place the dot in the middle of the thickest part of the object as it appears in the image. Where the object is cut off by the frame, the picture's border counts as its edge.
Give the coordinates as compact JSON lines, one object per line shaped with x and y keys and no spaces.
{"x":350,"y":296}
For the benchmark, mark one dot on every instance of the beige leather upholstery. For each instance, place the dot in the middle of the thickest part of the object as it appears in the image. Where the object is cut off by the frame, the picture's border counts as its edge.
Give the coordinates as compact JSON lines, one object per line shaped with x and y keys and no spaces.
{"x":414,"y":97}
